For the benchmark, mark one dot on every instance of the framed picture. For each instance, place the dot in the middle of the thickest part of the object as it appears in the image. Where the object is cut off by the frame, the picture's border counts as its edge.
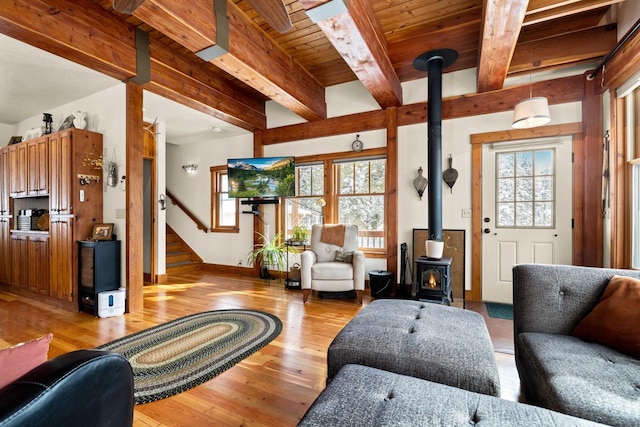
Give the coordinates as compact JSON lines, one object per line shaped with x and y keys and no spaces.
{"x":15,"y":140}
{"x":102,"y":231}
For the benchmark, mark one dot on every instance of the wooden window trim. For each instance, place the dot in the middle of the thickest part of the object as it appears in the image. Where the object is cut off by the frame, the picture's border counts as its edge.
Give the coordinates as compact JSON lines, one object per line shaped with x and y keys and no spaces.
{"x":330,"y":210}
{"x":216,"y":171}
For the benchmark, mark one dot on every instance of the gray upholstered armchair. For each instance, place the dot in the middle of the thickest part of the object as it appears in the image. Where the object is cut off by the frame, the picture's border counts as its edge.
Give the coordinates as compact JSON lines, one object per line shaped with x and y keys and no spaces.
{"x":333,"y":263}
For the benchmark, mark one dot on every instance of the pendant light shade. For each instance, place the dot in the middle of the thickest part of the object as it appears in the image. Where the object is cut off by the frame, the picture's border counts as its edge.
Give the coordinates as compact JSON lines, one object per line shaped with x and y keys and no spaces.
{"x":531,"y":112}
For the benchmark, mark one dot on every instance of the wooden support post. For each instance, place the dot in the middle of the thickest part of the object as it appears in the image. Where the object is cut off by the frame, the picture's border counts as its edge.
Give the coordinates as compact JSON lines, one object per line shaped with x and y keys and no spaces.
{"x":134,"y":171}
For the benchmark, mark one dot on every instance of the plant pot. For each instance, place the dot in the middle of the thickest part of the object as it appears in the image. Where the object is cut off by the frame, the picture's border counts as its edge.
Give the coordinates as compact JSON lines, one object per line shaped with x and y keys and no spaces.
{"x":434,"y":249}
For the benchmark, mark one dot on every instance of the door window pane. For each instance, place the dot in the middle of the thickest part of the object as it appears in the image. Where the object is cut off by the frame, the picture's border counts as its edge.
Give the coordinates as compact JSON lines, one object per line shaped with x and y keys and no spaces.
{"x":525,"y":188}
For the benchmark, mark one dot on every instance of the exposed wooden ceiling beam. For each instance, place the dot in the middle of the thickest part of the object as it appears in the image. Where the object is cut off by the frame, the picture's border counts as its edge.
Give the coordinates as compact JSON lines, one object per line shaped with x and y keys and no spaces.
{"x":81,"y":32}
{"x":253,"y":57}
{"x":557,"y":27}
{"x":356,"y":34}
{"x":558,"y":91}
{"x":502,"y":20}
{"x":539,"y":11}
{"x":183,"y":80}
{"x":593,"y":43}
{"x":86,"y":33}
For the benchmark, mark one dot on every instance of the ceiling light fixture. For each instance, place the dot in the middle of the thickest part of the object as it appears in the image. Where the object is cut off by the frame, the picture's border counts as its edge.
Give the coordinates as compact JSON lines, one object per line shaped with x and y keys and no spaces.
{"x":531,"y":112}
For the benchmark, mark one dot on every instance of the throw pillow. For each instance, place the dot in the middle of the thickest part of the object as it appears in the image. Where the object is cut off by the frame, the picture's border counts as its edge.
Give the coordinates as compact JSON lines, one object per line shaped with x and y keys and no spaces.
{"x":21,"y":358}
{"x":344,"y":256}
{"x":615,"y":320}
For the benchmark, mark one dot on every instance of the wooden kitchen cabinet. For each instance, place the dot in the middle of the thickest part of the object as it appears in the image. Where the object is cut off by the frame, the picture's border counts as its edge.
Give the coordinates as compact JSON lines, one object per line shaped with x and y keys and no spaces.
{"x":38,"y":166}
{"x":63,"y":169}
{"x":4,"y":182}
{"x":5,"y":250}
{"x":60,"y":145}
{"x":19,"y":261}
{"x":38,"y":253}
{"x":18,"y":169}
{"x":62,"y":261}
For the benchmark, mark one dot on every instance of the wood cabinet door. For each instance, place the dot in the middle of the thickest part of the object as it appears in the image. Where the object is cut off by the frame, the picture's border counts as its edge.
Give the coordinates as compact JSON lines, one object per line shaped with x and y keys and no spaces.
{"x":61,"y":249}
{"x":38,"y":249}
{"x":18,"y":169}
{"x":19,"y":261}
{"x":60,"y":200}
{"x":4,"y":181}
{"x":5,"y":250}
{"x":38,"y":161}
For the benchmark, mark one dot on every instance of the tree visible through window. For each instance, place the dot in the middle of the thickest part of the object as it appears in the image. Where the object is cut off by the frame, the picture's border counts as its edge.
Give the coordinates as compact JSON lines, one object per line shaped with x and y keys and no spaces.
{"x":306,"y":209}
{"x":525,"y":189}
{"x":361,"y":195}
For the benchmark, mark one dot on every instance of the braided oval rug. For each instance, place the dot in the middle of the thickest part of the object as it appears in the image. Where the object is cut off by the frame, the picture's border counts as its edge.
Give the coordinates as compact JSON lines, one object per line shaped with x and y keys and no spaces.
{"x":178,"y":355}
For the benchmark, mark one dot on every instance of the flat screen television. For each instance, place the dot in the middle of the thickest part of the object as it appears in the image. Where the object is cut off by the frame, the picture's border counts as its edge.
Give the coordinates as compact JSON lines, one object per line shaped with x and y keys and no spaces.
{"x":262,"y":177}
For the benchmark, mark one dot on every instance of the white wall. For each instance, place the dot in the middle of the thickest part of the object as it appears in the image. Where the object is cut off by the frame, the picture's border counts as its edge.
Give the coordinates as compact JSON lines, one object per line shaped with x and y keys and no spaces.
{"x":6,"y":132}
{"x":628,"y":14}
{"x":195,"y":192}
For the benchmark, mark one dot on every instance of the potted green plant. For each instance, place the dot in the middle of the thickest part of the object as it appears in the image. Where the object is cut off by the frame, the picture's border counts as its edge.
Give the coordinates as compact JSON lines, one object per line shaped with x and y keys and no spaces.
{"x":268,"y":252}
{"x":300,"y":234}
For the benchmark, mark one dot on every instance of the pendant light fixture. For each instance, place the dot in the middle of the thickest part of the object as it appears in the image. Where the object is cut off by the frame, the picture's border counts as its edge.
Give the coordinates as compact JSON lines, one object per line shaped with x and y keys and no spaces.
{"x":531,"y":112}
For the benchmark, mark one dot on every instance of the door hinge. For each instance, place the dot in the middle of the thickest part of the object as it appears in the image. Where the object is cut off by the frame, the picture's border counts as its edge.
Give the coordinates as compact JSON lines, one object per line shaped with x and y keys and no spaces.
{"x":573,"y":223}
{"x":573,"y":157}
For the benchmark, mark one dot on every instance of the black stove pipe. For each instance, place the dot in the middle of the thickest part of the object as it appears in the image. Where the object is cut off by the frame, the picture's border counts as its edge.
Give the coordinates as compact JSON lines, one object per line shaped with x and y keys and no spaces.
{"x":433,"y":63}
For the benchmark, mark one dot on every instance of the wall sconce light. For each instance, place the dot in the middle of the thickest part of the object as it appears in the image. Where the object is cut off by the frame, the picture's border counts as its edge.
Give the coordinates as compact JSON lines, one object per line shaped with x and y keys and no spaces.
{"x":531,"y":112}
{"x":190,"y":169}
{"x":420,"y":183}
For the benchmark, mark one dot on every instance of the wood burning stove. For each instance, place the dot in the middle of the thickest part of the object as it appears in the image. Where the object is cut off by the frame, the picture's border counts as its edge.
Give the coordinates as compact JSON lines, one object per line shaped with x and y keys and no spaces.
{"x":433,"y":280}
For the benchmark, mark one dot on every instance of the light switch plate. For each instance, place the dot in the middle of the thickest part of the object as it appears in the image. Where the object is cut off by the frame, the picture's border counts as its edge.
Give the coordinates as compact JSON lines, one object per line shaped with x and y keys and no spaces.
{"x":121,"y":213}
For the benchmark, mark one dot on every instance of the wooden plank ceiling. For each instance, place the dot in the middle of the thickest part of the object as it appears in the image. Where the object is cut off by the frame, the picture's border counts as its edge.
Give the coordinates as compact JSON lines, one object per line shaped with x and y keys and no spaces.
{"x":374,"y":41}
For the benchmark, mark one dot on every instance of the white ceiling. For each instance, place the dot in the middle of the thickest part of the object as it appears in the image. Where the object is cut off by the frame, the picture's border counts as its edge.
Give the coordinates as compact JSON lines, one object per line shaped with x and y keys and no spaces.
{"x":33,"y":81}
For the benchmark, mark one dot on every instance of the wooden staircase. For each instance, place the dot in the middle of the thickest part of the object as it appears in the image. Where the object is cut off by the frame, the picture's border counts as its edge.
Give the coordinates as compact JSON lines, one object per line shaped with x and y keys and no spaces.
{"x":180,"y":257}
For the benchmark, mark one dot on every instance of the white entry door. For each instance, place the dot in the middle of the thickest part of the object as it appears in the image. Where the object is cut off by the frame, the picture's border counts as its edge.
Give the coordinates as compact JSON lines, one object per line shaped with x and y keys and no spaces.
{"x":526,"y":210}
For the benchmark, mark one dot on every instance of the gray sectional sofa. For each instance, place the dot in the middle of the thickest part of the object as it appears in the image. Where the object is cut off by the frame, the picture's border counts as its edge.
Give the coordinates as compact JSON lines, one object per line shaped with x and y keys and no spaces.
{"x":561,"y":372}
{"x":366,"y":396}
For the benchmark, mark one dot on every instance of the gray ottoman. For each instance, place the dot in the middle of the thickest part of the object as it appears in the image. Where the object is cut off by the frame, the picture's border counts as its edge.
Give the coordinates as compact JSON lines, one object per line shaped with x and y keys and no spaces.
{"x":438,"y":343}
{"x":363,"y":396}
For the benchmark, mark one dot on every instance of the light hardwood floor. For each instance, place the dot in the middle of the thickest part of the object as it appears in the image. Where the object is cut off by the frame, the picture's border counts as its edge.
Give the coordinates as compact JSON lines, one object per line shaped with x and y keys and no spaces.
{"x":273,"y":387}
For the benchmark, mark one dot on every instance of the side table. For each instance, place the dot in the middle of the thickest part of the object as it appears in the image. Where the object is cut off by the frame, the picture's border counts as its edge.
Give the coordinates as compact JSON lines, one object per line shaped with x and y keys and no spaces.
{"x":289,"y":282}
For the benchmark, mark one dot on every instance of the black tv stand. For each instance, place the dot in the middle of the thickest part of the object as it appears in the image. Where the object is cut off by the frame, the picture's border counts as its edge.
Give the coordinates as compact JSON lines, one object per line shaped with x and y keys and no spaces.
{"x":256,"y":202}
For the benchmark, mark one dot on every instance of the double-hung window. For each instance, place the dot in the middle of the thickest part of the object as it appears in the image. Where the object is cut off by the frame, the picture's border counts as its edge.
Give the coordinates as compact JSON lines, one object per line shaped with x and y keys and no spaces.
{"x":360,"y":194}
{"x":224,"y":210}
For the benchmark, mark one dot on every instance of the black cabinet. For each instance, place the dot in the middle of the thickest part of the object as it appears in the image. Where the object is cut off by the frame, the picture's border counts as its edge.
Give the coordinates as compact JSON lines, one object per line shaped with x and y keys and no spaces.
{"x":98,"y":271}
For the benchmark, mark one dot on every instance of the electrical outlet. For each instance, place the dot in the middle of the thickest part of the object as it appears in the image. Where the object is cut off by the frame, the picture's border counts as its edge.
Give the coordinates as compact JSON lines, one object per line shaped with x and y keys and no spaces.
{"x":466,"y":213}
{"x":121,"y":213}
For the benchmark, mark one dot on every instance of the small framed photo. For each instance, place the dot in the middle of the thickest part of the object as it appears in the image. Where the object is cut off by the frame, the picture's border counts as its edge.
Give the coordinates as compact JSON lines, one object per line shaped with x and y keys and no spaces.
{"x":102,"y":231}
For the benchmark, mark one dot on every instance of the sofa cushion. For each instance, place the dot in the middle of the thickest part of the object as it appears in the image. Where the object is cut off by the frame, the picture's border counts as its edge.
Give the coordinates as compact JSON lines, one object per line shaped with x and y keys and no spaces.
{"x":344,"y":256}
{"x":365,"y":396}
{"x":583,"y":379}
{"x":21,"y":358}
{"x":332,"y":271}
{"x":615,"y":320}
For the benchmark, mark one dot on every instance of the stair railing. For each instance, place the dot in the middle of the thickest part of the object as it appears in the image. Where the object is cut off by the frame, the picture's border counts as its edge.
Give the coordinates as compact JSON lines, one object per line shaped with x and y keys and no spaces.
{"x":201,"y":225}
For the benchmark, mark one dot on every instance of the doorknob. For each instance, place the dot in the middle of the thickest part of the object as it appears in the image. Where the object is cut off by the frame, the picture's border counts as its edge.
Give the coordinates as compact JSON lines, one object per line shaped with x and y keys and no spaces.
{"x":487,"y":219}
{"x":487,"y":231}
